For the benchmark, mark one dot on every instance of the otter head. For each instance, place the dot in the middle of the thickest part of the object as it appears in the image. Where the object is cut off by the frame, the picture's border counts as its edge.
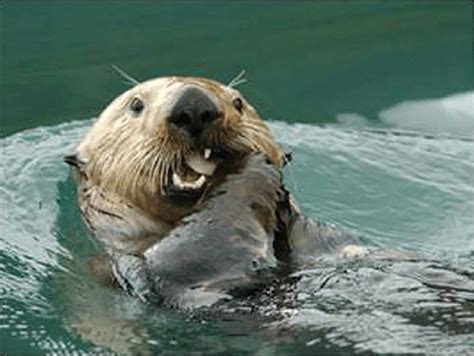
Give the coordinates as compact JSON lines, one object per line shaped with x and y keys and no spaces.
{"x":160,"y":145}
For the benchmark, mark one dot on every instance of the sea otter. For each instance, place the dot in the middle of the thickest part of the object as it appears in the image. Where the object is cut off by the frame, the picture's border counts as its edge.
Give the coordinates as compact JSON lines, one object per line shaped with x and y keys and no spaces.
{"x":154,"y":151}
{"x":156,"y":157}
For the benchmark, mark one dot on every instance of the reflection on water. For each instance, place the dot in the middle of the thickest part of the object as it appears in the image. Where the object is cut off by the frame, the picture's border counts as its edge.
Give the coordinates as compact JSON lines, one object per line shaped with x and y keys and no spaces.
{"x":384,"y":306}
{"x":396,"y":191}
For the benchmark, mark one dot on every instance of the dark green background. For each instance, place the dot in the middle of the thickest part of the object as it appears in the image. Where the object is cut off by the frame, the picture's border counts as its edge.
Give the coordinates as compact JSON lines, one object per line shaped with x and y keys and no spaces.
{"x":305,"y":61}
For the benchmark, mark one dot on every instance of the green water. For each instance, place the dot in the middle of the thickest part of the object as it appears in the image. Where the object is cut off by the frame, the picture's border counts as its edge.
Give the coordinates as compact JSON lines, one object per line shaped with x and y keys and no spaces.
{"x":346,"y":85}
{"x":305,"y":62}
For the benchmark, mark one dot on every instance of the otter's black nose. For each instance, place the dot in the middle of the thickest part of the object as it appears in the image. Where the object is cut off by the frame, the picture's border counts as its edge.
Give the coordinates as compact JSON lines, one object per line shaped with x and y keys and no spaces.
{"x":193,"y":111}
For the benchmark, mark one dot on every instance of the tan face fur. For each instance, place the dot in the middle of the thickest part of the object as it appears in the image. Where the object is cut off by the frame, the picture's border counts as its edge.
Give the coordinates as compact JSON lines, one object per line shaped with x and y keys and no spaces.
{"x":131,"y":157}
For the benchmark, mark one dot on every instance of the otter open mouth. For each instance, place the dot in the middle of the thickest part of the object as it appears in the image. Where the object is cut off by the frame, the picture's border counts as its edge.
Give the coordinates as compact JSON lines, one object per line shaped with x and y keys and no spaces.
{"x":190,"y":180}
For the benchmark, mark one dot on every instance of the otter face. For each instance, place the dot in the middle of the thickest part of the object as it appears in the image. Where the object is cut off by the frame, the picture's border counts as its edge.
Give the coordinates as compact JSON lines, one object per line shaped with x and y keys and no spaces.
{"x":161,"y":144}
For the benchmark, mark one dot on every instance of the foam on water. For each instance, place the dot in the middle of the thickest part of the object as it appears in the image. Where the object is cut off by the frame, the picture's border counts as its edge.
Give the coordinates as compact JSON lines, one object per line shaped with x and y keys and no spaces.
{"x":452,"y":114}
{"x":398,"y":191}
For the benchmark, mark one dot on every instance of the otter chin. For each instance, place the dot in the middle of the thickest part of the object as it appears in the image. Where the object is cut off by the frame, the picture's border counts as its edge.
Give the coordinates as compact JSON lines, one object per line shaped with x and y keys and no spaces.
{"x":156,"y":149}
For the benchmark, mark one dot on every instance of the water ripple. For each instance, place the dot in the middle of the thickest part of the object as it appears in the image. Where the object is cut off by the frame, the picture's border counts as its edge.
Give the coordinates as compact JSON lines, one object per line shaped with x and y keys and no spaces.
{"x":396,"y":190}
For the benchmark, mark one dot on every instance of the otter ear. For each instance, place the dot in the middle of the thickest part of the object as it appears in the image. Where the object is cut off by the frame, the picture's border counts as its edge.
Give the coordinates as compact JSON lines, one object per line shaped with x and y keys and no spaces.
{"x":74,"y":161}
{"x":287,"y":157}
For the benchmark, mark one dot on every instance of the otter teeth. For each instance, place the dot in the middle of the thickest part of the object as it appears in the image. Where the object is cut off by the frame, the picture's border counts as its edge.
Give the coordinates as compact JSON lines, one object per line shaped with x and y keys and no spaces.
{"x":197,"y":184}
{"x":200,"y":164}
{"x":207,"y":153}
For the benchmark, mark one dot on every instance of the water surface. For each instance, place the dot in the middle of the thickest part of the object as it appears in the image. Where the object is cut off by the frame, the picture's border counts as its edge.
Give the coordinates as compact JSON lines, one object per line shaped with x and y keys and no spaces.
{"x":375,"y":100}
{"x":397,"y":191}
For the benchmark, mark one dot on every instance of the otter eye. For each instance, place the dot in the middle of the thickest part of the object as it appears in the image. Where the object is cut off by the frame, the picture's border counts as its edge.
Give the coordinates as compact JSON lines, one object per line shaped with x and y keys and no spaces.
{"x":238,"y":104}
{"x":137,"y":106}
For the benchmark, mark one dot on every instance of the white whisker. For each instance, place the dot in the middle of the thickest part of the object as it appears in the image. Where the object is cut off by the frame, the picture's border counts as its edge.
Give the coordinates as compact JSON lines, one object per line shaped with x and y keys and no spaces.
{"x":239,"y":79}
{"x":131,"y":81}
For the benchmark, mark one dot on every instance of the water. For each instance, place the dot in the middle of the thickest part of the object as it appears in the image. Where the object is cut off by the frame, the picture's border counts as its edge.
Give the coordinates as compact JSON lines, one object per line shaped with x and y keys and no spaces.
{"x":397,"y":191}
{"x":374,"y":99}
{"x":305,"y":62}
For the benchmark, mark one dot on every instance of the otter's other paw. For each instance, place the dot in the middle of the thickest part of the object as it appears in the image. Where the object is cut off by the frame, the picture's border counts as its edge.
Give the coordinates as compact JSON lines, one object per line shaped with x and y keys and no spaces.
{"x":354,"y":251}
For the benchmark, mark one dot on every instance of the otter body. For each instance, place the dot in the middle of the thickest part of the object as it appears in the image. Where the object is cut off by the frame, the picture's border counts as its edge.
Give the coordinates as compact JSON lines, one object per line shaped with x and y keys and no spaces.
{"x":180,"y":179}
{"x":228,"y":245}
{"x":155,"y":150}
